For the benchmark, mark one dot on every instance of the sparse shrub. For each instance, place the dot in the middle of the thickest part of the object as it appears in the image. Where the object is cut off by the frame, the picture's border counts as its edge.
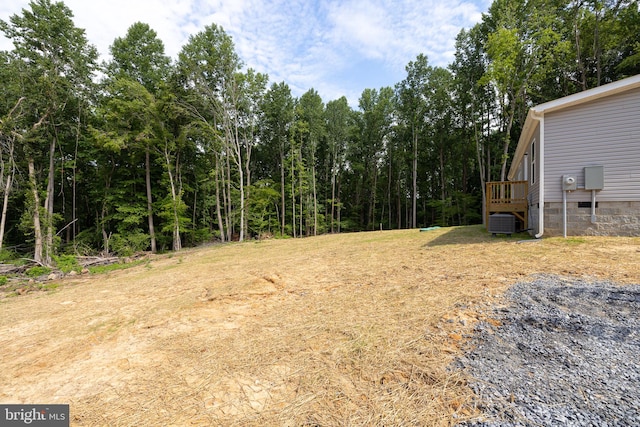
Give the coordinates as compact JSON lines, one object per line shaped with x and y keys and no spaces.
{"x":98,"y":269}
{"x":129,"y":244}
{"x":49,"y":286}
{"x":7,"y":255}
{"x":3,"y":280}
{"x":67,"y":263}
{"x":38,"y":271}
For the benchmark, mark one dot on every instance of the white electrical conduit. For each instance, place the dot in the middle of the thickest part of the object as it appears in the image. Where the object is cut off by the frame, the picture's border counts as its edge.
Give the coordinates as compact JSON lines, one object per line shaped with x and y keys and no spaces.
{"x":593,"y":206}
{"x":540,"y":117}
{"x":564,"y":213}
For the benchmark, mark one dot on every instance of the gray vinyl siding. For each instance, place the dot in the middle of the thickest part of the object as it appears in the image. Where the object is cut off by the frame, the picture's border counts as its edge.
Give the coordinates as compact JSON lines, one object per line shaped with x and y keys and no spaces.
{"x":603,"y":132}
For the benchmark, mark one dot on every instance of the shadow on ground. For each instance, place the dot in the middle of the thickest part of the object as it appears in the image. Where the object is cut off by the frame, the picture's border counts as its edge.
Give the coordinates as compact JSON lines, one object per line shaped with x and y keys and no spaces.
{"x":476,"y":234}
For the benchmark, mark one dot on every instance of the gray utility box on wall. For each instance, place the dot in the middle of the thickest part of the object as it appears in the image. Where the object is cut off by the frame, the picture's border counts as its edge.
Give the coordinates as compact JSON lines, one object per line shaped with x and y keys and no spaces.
{"x":502,"y":224}
{"x":594,"y":177}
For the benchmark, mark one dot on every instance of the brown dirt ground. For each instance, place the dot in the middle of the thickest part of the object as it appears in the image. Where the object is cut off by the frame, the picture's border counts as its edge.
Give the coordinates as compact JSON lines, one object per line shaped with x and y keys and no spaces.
{"x":351,"y":329}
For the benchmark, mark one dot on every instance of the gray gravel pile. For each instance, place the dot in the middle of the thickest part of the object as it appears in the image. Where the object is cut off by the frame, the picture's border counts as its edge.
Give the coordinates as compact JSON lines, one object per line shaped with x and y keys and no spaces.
{"x":567,"y":353}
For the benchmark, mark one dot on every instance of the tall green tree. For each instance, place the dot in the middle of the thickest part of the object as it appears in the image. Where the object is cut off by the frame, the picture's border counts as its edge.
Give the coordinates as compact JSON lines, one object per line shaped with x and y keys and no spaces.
{"x":208,"y":68}
{"x":474,"y":101}
{"x":374,"y":123}
{"x":173,"y":145}
{"x":413,"y":106}
{"x":444,"y":148}
{"x":278,"y":116}
{"x":129,"y":124}
{"x":310,"y":114}
{"x":522,"y":46}
{"x":58,"y":63}
{"x":252,"y":89}
{"x":139,"y":57}
{"x":10,"y":117}
{"x":339,"y":121}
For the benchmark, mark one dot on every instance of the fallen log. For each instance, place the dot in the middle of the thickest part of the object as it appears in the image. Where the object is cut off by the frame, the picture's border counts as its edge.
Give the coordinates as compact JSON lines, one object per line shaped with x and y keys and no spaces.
{"x":13,"y":269}
{"x":92,"y":261}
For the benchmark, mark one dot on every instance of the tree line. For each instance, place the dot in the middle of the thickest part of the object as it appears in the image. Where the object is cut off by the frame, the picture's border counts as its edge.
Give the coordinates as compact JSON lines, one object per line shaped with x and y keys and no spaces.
{"x":148,"y":153}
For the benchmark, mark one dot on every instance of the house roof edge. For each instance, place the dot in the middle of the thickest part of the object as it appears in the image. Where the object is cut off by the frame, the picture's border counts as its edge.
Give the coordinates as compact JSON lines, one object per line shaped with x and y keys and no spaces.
{"x":536,"y":113}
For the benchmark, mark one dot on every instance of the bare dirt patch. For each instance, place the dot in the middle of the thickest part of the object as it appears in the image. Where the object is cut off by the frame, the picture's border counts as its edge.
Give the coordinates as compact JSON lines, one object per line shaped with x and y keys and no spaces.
{"x":356,"y":329}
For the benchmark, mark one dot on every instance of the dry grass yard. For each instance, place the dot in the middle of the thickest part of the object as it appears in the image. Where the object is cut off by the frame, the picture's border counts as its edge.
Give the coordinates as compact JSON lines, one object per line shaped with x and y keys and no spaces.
{"x":337,"y":330}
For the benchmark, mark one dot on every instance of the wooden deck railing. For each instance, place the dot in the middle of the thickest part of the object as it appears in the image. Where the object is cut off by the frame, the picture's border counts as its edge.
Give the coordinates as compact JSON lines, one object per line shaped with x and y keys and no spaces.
{"x":508,"y":197}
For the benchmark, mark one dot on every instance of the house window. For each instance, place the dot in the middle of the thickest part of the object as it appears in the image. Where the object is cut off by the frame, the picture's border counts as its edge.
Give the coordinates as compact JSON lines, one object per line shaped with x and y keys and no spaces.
{"x":533,"y":161}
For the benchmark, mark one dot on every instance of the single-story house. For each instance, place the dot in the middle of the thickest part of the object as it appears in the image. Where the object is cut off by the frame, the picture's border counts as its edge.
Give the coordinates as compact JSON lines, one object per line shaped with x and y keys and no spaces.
{"x":579,"y":157}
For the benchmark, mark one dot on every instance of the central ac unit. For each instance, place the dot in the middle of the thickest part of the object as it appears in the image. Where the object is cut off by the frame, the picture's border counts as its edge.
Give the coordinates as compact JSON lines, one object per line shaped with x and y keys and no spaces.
{"x":502,"y":224}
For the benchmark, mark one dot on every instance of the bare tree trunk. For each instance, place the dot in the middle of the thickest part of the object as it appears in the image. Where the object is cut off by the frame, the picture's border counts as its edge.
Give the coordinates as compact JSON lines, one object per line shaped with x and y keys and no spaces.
{"x":414,"y":180}
{"x":399,"y":213}
{"x":247,"y":174}
{"x":218,"y":211}
{"x":481,"y":167}
{"x":177,"y":243}
{"x":597,"y":51}
{"x":301,"y":216}
{"x":73,"y":184}
{"x":229,"y":201}
{"x":195,"y":206}
{"x":389,"y":196}
{"x":576,"y":29}
{"x":37,"y":229}
{"x":333,"y":197}
{"x":47,"y":247}
{"x":505,"y":152}
{"x":442,"y":187}
{"x":282,"y":190}
{"x":372,"y":205}
{"x":105,"y":237}
{"x":7,"y":190}
{"x":10,"y":177}
{"x":5,"y":203}
{"x":507,"y":140}
{"x":487,"y":136}
{"x":241,"y":176}
{"x":152,"y":232}
{"x":238,"y":161}
{"x":315,"y":200}
{"x":339,"y":208}
{"x":293,"y":197}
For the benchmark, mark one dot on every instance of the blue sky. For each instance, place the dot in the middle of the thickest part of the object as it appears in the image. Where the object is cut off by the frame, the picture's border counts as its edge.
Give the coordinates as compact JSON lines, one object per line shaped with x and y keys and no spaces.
{"x":338,"y":47}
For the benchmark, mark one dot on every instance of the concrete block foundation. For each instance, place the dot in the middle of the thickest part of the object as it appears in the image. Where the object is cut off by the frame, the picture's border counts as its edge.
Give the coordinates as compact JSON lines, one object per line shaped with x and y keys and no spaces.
{"x":612,"y":219}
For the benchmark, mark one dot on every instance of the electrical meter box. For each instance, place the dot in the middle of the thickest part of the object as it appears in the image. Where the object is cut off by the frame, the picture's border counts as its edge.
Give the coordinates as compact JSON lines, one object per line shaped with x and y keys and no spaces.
{"x":569,"y":183}
{"x":594,"y":177}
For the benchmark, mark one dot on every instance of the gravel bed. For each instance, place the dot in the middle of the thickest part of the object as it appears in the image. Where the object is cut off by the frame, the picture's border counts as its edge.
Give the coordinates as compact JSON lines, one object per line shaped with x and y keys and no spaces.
{"x":566,"y":353}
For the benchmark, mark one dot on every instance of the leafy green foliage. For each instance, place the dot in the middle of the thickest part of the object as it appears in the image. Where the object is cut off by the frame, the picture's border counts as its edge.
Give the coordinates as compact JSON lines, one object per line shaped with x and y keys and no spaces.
{"x":67,"y":263}
{"x":6,"y":256}
{"x":100,"y":269}
{"x":201,"y":150}
{"x":38,"y":271}
{"x":140,"y":57}
{"x":263,"y":216}
{"x":129,"y":243}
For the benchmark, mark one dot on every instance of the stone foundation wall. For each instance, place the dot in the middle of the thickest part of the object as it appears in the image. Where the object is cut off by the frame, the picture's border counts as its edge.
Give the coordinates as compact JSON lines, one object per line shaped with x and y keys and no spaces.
{"x":612,"y":219}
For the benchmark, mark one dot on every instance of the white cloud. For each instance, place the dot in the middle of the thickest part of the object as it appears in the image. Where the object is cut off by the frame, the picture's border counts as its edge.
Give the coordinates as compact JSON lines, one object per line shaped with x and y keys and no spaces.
{"x":305,"y":43}
{"x":363,"y":28}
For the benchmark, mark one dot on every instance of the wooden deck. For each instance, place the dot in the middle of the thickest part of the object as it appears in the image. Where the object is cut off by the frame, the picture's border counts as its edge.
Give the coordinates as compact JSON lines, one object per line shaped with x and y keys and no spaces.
{"x":508,"y":197}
